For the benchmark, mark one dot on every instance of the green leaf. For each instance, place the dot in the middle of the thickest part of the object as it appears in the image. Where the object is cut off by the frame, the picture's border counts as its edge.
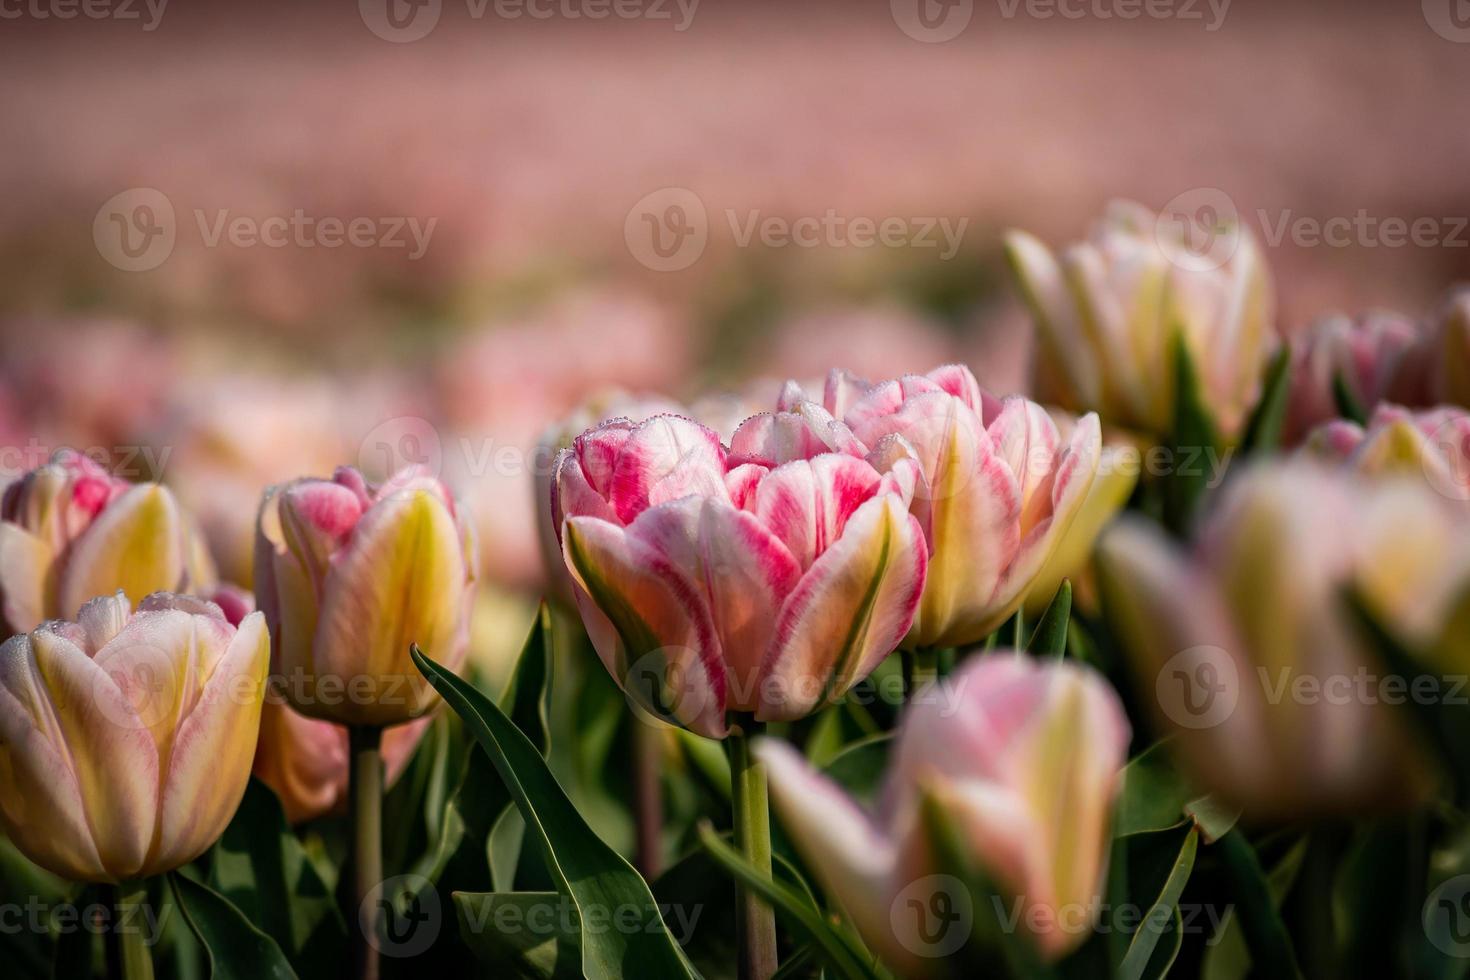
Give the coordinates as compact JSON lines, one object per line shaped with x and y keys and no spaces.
{"x":860,"y":766}
{"x":1050,"y":638}
{"x":1193,"y":438}
{"x":829,"y":945}
{"x":236,"y":948}
{"x":592,"y":875}
{"x":1263,"y":431}
{"x":1265,"y":934}
{"x":1227,"y":957}
{"x":532,"y":935}
{"x":1139,"y":962}
{"x":1154,"y":793}
{"x":480,"y":799}
{"x":1348,"y":405}
{"x":261,"y":868}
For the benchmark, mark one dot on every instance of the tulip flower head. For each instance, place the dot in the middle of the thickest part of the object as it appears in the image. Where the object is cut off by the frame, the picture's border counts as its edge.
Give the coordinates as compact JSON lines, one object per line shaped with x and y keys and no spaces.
{"x":1244,"y":645}
{"x":1367,"y":354}
{"x":1108,"y":312}
{"x":1432,"y":446}
{"x":1023,"y":758}
{"x":126,"y":736}
{"x":69,"y":531}
{"x":997,"y":487}
{"x":348,"y":576}
{"x":710,"y":584}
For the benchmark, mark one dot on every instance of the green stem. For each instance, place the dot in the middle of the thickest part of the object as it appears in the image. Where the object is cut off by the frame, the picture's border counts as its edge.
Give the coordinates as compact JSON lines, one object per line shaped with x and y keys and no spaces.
{"x":365,"y":796}
{"x":128,"y":956}
{"x":920,"y":667}
{"x":755,"y":921}
{"x":648,"y":801}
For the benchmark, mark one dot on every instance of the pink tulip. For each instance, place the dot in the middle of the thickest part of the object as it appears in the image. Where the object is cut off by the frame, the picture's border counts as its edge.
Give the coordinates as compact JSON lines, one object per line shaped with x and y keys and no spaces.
{"x":734,"y":585}
{"x":1022,"y":757}
{"x":348,"y":576}
{"x":69,"y":531}
{"x":1367,"y":353}
{"x":126,"y":737}
{"x":997,"y":487}
{"x":1433,"y":446}
{"x":1243,"y":645}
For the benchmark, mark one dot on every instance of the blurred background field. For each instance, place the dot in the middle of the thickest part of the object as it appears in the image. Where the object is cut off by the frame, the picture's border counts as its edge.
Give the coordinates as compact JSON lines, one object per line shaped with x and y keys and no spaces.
{"x":528,"y":143}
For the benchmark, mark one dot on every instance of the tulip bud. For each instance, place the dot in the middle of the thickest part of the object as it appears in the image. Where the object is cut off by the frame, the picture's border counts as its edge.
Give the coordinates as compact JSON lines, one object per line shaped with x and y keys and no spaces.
{"x":996,"y":487}
{"x":1244,"y":646}
{"x":1108,"y":311}
{"x":348,"y":576}
{"x":1022,"y":758}
{"x":126,"y":737}
{"x":69,"y":530}
{"x":710,"y":585}
{"x":1367,"y":354}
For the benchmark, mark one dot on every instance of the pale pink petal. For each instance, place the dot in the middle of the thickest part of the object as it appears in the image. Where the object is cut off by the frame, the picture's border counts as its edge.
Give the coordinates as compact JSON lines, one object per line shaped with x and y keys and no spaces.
{"x":665,"y":458}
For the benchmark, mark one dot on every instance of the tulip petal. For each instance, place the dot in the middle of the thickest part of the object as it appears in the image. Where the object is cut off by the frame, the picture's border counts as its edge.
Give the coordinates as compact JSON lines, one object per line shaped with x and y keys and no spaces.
{"x":400,"y":580}
{"x":41,"y":808}
{"x":112,"y":751}
{"x":134,"y":545}
{"x":661,"y":625}
{"x":26,"y":577}
{"x":744,"y":570}
{"x":855,"y":862}
{"x":850,"y":610}
{"x":665,"y":458}
{"x":1063,"y":343}
{"x":806,"y":503}
{"x":212,"y":751}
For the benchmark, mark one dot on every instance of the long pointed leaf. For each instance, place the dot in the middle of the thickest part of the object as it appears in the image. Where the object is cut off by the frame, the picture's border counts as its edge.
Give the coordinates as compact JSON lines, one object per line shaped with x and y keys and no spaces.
{"x":236,"y":948}
{"x":589,"y":872}
{"x":1050,"y":638}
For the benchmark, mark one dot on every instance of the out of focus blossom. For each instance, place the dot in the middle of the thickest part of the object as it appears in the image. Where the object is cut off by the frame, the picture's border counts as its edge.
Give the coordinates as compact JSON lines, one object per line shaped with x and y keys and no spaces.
{"x":1368,"y":354}
{"x":1433,"y":446}
{"x":711,"y":584}
{"x":126,"y":736}
{"x":1446,"y":353}
{"x":231,"y":438}
{"x":502,"y":386}
{"x":70,"y":531}
{"x":1108,"y":312}
{"x":1023,"y":758}
{"x":96,"y":384}
{"x":602,"y":407}
{"x":1244,"y":646}
{"x":349,"y":575}
{"x":998,"y":486}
